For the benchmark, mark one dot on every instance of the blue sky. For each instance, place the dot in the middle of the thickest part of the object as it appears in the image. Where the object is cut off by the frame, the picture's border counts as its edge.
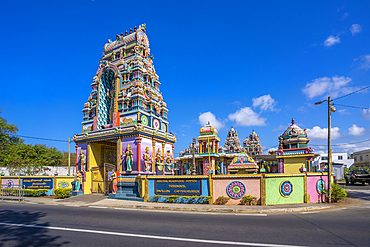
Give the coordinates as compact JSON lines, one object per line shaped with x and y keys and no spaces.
{"x":251,"y":65}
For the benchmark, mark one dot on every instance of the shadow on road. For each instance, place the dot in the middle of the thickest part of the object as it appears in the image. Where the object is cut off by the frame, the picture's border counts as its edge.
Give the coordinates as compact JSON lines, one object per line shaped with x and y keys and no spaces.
{"x":25,"y":236}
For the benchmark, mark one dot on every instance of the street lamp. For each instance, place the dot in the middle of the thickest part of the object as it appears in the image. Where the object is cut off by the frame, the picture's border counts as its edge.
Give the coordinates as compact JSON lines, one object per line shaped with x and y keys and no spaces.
{"x":330,"y":109}
{"x":193,"y":171}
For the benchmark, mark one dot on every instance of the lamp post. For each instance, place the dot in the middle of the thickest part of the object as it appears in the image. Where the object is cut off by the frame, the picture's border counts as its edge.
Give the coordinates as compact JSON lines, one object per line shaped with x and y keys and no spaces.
{"x":193,"y":171}
{"x":330,"y":109}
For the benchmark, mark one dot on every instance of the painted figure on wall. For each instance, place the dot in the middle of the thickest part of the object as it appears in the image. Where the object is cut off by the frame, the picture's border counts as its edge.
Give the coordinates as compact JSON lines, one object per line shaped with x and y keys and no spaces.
{"x":169,"y":161}
{"x":78,"y":181}
{"x":147,"y":160}
{"x":129,"y":158}
{"x":82,"y":160}
{"x":159,"y":160}
{"x":114,"y":182}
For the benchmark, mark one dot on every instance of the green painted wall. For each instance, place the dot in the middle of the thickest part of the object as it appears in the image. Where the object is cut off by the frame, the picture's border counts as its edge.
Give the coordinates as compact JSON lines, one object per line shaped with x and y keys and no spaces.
{"x":273,"y":195}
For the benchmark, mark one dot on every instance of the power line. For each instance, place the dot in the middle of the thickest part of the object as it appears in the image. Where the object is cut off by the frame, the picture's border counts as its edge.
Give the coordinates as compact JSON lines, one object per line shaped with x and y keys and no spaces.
{"x":351,"y":93}
{"x":39,"y":138}
{"x":340,"y":144}
{"x":353,"y":106}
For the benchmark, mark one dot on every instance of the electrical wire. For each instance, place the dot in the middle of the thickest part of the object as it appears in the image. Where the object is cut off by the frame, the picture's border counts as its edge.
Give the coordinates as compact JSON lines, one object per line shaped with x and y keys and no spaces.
{"x":353,"y":106}
{"x":350,"y":93}
{"x":340,"y":144}
{"x":39,"y":138}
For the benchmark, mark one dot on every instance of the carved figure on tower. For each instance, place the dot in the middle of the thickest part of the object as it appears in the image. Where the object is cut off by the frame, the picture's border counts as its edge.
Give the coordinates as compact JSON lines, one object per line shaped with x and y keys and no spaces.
{"x":129,"y":158}
{"x":169,"y":161}
{"x":147,"y":160}
{"x":82,"y":160}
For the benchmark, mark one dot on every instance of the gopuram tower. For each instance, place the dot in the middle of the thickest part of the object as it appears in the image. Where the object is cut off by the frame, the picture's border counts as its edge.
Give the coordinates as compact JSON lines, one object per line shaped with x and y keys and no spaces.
{"x":124,"y":125}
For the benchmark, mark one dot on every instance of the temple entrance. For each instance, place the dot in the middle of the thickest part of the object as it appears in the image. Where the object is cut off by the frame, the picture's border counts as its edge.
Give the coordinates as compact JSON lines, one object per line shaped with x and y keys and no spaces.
{"x":100,"y":179}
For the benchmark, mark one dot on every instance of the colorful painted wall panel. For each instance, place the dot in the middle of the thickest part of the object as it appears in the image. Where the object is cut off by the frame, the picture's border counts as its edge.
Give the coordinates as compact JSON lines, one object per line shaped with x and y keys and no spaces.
{"x":237,"y":187}
{"x":284,"y":189}
{"x":315,"y":186}
{"x":63,"y":182}
{"x":9,"y":182}
{"x":35,"y":183}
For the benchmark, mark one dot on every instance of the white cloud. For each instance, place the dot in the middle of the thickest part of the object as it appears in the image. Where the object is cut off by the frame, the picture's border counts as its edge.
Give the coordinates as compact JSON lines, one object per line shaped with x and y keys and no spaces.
{"x":355,"y":130}
{"x":344,"y":16}
{"x":355,"y":28}
{"x":247,"y":117}
{"x":319,"y":133}
{"x":270,"y":149}
{"x":343,"y":111}
{"x":265,"y":102}
{"x":327,"y":86}
{"x":364,"y":62}
{"x":350,"y":148}
{"x":206,"y":117}
{"x":366,"y":114}
{"x":331,"y":40}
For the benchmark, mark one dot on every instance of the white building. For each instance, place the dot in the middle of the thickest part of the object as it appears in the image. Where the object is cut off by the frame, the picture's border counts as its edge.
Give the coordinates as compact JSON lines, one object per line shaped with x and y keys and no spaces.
{"x":339,"y":160}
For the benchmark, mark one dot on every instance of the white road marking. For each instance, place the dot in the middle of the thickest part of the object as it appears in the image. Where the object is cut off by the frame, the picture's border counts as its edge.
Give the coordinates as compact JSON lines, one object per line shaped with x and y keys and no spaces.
{"x":194,"y":240}
{"x":96,"y":207}
{"x":72,"y":205}
{"x":31,"y":202}
{"x":51,"y":204}
{"x":311,"y":212}
{"x":188,"y":212}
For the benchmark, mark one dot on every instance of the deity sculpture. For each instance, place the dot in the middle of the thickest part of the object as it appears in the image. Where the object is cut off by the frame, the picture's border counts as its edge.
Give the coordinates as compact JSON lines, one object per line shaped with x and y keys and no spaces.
{"x":169,"y":160}
{"x":114,"y":182}
{"x":158,"y":157}
{"x":129,"y":158}
{"x":78,"y":181}
{"x":147,"y":160}
{"x":82,"y":160}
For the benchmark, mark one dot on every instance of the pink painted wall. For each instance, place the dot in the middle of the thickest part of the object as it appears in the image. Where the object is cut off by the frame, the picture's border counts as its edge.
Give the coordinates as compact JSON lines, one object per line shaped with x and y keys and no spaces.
{"x":252,"y":184}
{"x":315,"y":197}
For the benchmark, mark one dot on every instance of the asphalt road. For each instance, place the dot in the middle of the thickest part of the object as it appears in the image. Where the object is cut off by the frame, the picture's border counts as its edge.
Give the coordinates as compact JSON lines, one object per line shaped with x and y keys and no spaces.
{"x":27,"y":224}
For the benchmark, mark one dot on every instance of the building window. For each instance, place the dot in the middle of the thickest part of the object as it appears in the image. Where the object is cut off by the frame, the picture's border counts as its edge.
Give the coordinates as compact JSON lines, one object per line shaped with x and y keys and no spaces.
{"x":324,"y":158}
{"x":355,"y":158}
{"x":360,"y":157}
{"x":340,"y":157}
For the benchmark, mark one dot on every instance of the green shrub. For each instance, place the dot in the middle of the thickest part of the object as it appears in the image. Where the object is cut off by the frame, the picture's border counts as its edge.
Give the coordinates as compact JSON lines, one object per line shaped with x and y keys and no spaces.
{"x":337,"y":193}
{"x":246,"y":200}
{"x":62,"y":192}
{"x":35,"y":193}
{"x":221,"y":200}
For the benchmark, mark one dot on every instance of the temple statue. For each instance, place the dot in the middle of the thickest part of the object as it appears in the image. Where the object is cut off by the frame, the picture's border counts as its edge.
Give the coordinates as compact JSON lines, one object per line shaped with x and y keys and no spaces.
{"x":147,"y":160}
{"x":129,"y":158}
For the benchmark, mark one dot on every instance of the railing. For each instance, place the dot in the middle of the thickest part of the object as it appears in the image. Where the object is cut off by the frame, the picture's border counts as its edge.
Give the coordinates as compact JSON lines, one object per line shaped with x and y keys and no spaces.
{"x":13,"y":193}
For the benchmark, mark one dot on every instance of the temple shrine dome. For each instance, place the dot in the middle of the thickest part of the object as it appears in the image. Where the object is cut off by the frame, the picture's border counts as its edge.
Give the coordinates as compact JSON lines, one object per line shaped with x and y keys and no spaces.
{"x":254,"y":136}
{"x":243,"y":162}
{"x":293,"y":135}
{"x":208,"y":130}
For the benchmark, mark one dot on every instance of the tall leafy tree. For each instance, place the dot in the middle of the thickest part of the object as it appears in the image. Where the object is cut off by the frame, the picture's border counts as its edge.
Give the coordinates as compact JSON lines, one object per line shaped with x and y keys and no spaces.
{"x":7,"y":134}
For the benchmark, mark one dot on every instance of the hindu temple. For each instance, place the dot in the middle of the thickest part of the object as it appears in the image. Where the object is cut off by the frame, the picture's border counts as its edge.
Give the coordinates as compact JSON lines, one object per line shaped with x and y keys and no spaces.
{"x":125,"y":126}
{"x":252,"y":144}
{"x":294,"y":155}
{"x":211,"y":158}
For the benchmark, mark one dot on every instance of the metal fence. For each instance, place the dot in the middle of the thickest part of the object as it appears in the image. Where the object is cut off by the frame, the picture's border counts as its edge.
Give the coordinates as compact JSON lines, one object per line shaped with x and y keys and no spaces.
{"x":13,"y":193}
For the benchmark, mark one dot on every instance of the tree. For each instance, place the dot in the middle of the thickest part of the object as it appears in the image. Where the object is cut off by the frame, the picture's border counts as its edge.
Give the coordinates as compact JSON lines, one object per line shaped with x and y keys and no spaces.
{"x":7,"y":135}
{"x":65,"y":159}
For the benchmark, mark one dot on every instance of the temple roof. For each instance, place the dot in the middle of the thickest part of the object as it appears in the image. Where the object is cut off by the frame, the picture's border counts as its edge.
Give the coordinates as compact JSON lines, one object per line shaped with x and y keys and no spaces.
{"x":293,"y":131}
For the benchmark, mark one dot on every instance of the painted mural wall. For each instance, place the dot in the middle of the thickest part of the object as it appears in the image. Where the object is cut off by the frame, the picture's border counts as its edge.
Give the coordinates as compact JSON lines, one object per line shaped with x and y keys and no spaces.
{"x":315,"y":186}
{"x":284,"y":189}
{"x":236,"y":187}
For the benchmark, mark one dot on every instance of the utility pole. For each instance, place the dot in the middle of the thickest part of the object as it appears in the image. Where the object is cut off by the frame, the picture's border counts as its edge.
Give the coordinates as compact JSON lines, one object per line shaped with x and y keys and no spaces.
{"x":329,"y":149}
{"x":69,"y":155}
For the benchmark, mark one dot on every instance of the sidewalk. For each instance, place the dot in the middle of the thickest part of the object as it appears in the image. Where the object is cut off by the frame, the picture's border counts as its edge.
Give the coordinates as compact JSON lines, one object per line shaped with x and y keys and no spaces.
{"x":102,"y":201}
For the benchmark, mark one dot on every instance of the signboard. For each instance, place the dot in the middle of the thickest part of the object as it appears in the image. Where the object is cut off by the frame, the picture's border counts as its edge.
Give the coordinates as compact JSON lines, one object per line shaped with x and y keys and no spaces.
{"x":180,"y":187}
{"x":37,"y":183}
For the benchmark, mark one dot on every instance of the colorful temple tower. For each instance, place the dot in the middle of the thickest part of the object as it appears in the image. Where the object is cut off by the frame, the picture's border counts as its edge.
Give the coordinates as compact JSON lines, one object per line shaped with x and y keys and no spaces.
{"x":208,"y":148}
{"x":232,"y":143}
{"x":294,"y":155}
{"x":252,"y":144}
{"x":125,"y":126}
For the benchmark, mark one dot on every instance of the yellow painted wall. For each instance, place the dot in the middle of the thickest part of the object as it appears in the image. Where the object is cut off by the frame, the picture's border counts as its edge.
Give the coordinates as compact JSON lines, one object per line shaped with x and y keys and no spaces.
{"x":94,"y":161}
{"x":63,"y":182}
{"x":292,"y":165}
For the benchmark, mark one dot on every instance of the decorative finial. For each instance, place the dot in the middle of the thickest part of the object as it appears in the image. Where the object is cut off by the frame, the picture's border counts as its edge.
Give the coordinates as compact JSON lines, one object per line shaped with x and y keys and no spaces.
{"x":293,"y":120}
{"x":121,"y":34}
{"x":208,"y":122}
{"x":130,"y":30}
{"x":126,"y":33}
{"x":135,"y":29}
